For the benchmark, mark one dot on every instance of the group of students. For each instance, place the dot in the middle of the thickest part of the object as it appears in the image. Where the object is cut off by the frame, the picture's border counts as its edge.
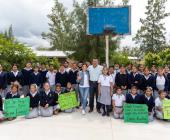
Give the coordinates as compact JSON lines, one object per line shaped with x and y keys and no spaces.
{"x":110,"y":87}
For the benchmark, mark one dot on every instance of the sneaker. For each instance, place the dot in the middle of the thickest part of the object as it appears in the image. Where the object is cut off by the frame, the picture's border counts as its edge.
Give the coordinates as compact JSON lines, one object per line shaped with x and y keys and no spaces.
{"x":83,"y":112}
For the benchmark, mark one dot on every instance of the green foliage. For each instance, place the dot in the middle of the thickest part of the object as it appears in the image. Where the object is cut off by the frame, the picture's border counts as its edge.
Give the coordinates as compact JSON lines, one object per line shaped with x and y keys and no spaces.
{"x":151,"y":35}
{"x":160,"y":59}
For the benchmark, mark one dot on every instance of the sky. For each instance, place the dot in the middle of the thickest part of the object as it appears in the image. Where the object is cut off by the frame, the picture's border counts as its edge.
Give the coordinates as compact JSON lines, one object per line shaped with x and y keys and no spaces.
{"x":29,"y":19}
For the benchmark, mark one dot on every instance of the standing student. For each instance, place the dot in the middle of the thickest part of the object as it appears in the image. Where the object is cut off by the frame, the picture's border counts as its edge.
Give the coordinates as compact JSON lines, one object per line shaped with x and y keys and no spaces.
{"x":1,"y":109}
{"x":148,"y":80}
{"x":161,"y":82}
{"x":159,"y":105}
{"x":66,"y":66}
{"x":35,"y":77}
{"x":3,"y":80}
{"x":167,"y":75}
{"x":141,"y":69}
{"x":122,"y":79}
{"x":105,"y":87}
{"x":27,"y":71}
{"x":34,"y":102}
{"x":133,"y":97}
{"x":153,"y":70}
{"x":94,"y":71}
{"x":113,"y":75}
{"x":51,"y":74}
{"x":57,"y":93}
{"x":83,"y":80}
{"x":148,"y":99}
{"x":46,"y":101}
{"x":14,"y":76}
{"x":118,"y":100}
{"x":43,"y":71}
{"x":62,"y":77}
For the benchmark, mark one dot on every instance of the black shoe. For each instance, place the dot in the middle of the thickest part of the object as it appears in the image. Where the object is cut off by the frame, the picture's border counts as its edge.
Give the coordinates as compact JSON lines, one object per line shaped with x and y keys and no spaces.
{"x":108,"y":114}
{"x":90,"y":110}
{"x":104,"y":114}
{"x":98,"y":110}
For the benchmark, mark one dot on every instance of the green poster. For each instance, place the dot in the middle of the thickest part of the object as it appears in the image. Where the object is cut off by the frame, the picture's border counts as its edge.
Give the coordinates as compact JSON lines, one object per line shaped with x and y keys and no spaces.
{"x":67,"y":100}
{"x":16,"y":107}
{"x":135,"y":113}
{"x":166,"y":109}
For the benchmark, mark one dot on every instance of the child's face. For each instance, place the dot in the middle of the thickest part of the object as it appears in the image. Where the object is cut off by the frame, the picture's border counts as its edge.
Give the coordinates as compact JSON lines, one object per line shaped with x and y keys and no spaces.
{"x":58,"y":89}
{"x":33,"y":89}
{"x":68,"y":85}
{"x":148,"y":92}
{"x":14,"y":90}
{"x":134,"y":91}
{"x":47,"y":86}
{"x":105,"y":71}
{"x":162,"y":95}
{"x":35,"y":69}
{"x":119,"y":91}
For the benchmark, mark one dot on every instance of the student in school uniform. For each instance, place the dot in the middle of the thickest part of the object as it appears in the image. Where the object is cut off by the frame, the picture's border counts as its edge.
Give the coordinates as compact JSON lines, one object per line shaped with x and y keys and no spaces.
{"x":105,"y":89}
{"x":62,"y":77}
{"x":154,"y":70}
{"x":35,"y":77}
{"x":118,"y":99}
{"x":161,"y":82}
{"x":51,"y":74}
{"x":135,"y":78}
{"x":133,"y":97}
{"x":57,"y":93}
{"x":148,"y":80}
{"x":112,"y":73}
{"x":14,"y":76}
{"x":167,"y":75}
{"x":3,"y":79}
{"x":43,"y":71}
{"x":46,"y":101}
{"x":84,"y":86}
{"x":27,"y":71}
{"x":141,"y":69}
{"x":159,"y":105}
{"x":13,"y":94}
{"x":1,"y":109}
{"x":122,"y":79}
{"x":148,"y":99}
{"x":34,"y":102}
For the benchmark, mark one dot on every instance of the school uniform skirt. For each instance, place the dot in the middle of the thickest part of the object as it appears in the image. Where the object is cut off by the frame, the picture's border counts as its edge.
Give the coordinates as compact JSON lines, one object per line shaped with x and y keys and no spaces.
{"x":34,"y":113}
{"x":46,"y":112}
{"x":105,"y":97}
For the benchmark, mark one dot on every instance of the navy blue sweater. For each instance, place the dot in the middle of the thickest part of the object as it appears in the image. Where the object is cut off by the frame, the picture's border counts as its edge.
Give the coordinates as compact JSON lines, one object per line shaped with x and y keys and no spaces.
{"x":3,"y":80}
{"x":135,"y":80}
{"x":122,"y":80}
{"x":131,"y":100}
{"x":168,"y":77}
{"x":36,"y":79}
{"x":73,"y":76}
{"x":46,"y":99}
{"x":150,"y":82}
{"x":12,"y":78}
{"x":150,"y":103}
{"x":62,"y":78}
{"x":26,"y":76}
{"x":43,"y":76}
{"x":9,"y":96}
{"x":34,"y":101}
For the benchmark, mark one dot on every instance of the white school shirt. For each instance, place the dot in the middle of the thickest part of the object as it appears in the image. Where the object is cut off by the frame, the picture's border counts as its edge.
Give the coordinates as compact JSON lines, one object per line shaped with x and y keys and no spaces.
{"x":105,"y":80}
{"x":95,"y":72}
{"x":51,"y":77}
{"x":86,"y":81}
{"x":118,"y":99}
{"x":160,"y":82}
{"x":159,"y":102}
{"x":113,"y":75}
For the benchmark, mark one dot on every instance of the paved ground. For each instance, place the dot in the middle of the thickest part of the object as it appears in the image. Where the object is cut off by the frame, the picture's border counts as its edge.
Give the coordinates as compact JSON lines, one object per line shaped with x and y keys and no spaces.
{"x":75,"y":126}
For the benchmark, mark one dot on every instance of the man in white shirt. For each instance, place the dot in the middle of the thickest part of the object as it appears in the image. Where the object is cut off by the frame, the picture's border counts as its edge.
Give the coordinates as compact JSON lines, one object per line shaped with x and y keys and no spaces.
{"x":94,"y":70}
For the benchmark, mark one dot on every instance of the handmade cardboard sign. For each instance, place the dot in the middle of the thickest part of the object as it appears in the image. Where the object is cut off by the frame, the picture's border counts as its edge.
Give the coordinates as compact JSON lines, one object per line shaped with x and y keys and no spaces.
{"x":135,"y":113}
{"x":166,"y":109}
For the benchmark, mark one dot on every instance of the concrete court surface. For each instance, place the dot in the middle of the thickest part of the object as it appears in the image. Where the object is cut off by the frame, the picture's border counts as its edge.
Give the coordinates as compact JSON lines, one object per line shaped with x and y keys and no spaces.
{"x":75,"y":126}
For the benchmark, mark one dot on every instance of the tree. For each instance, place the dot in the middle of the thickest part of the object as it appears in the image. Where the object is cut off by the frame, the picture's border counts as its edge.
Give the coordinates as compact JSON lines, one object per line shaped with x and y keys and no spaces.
{"x":151,"y":35}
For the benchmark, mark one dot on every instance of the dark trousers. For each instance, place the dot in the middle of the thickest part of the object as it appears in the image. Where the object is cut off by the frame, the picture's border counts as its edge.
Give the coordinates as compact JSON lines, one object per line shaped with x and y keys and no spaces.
{"x":106,"y":108}
{"x":93,"y":92}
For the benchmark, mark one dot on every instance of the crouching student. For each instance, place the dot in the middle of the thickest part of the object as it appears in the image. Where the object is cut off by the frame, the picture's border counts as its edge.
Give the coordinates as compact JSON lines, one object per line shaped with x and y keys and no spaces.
{"x":149,"y":101}
{"x":34,"y":102}
{"x":105,"y":84}
{"x":46,"y":101}
{"x":67,"y":90}
{"x":133,"y":97}
{"x":118,"y":100}
{"x":1,"y":109}
{"x":13,"y":94}
{"x":159,"y":104}
{"x":56,"y":106}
